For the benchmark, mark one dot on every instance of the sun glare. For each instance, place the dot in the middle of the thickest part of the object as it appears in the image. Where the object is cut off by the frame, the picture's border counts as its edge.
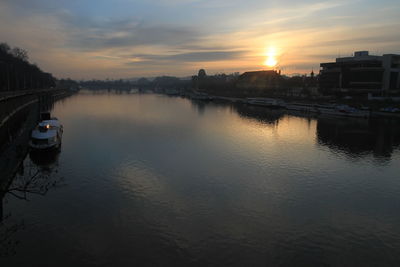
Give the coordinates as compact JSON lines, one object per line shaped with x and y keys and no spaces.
{"x":271,"y":60}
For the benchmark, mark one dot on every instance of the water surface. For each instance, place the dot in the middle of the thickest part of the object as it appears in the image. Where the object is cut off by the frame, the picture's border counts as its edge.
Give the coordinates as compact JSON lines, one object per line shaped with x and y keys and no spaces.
{"x":160,"y":181}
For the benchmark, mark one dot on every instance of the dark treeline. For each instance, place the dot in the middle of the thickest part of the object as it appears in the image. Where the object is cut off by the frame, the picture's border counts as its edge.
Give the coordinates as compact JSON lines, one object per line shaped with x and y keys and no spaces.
{"x":106,"y":84}
{"x":167,"y":83}
{"x":248,"y":84}
{"x":68,"y":84}
{"x":17,"y":73}
{"x":160,"y":84}
{"x":218,"y":84}
{"x":268,"y":83}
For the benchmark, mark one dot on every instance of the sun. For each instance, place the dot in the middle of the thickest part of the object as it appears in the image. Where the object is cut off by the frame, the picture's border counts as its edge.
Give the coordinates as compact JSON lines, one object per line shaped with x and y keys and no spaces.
{"x":271,"y":60}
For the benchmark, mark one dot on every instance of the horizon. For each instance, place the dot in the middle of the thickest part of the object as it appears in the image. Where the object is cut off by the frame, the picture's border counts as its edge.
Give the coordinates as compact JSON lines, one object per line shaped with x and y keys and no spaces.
{"x":132,"y":39}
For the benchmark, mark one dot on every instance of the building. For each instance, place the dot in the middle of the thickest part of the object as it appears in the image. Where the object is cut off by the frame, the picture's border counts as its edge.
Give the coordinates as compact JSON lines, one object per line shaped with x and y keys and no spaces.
{"x":362,"y":73}
{"x":259,"y":80}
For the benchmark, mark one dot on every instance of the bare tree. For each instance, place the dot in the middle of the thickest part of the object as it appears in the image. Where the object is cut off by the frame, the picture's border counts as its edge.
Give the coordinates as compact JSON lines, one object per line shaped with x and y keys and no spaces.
{"x":20,"y":53}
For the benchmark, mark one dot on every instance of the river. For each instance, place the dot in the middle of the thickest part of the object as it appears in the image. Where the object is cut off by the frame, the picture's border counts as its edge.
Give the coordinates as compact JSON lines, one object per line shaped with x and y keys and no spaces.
{"x":152,"y":180}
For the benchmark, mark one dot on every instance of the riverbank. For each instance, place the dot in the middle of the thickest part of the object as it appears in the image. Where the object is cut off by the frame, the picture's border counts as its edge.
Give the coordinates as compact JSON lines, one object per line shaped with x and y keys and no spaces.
{"x":19,"y":115}
{"x":375,"y":108}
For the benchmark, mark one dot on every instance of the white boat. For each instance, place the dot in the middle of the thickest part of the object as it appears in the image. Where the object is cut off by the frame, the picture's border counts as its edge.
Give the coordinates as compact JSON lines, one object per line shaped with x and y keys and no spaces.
{"x":47,"y":134}
{"x":342,"y":110}
{"x":266,"y":102}
{"x":201,"y":96}
{"x":304,"y":107}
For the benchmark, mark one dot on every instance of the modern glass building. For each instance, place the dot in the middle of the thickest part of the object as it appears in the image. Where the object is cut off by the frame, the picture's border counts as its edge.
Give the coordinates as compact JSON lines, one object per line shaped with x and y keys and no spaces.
{"x":362,"y":73}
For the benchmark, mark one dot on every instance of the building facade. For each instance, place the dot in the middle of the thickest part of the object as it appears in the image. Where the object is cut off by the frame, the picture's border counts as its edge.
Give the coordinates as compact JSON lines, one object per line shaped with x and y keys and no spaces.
{"x":362,"y":73}
{"x":259,"y":80}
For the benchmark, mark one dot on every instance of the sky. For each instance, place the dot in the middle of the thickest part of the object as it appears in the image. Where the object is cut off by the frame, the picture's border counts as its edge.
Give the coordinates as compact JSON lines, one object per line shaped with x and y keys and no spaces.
{"x":99,"y":39}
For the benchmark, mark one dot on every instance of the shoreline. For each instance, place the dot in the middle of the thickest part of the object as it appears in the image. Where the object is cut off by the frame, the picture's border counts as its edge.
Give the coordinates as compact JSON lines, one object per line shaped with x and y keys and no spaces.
{"x":372,"y":113}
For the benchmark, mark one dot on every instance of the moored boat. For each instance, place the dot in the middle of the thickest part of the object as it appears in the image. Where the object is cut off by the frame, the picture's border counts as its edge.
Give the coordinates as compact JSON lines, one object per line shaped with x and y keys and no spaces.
{"x":47,"y":134}
{"x":304,"y":107}
{"x":343,"y":110}
{"x":266,"y":102}
{"x":201,"y":96}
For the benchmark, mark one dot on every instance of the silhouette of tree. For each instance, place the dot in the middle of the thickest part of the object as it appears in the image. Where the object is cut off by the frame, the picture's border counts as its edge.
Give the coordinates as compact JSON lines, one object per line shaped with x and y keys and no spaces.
{"x":16,"y":73}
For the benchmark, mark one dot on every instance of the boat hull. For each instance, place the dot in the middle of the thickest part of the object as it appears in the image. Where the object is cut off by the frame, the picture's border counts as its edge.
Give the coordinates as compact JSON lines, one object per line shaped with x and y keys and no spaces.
{"x":45,"y":147}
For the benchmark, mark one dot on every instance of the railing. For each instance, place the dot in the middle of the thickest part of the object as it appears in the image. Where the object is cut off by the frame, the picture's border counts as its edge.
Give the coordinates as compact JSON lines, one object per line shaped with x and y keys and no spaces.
{"x":11,"y":94}
{"x":13,"y":102}
{"x":13,"y":105}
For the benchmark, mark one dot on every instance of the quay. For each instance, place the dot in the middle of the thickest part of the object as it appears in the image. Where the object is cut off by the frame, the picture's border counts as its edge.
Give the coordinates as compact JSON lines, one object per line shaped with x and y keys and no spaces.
{"x":19,"y":113}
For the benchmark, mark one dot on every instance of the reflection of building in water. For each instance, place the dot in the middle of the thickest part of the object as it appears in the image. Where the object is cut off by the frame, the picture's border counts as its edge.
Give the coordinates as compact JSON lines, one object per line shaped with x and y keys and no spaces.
{"x":262,"y":114}
{"x":357,"y":136}
{"x":200,"y":106}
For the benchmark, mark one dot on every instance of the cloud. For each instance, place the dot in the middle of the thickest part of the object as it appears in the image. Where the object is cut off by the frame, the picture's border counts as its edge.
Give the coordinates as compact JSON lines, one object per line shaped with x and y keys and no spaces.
{"x":113,"y":36}
{"x":193,"y":56}
{"x":377,"y":39}
{"x":123,"y":37}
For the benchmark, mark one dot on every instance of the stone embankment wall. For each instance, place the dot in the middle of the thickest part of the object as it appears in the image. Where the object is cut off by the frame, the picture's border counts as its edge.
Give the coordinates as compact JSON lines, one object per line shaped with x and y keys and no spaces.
{"x":19,"y":113}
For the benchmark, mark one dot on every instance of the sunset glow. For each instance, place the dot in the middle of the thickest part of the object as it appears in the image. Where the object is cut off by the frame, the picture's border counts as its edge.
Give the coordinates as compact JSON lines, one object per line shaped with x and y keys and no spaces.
{"x":271,"y":60}
{"x":141,"y":38}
